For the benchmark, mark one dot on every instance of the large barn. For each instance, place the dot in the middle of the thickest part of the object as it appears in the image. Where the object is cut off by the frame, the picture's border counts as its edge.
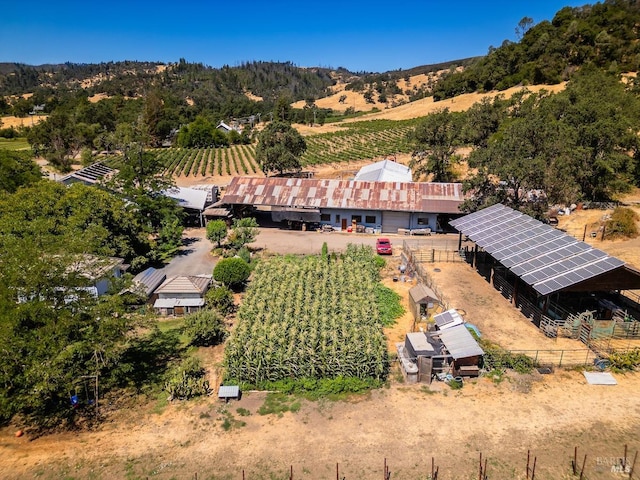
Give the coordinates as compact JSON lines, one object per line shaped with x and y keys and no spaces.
{"x":552,"y":277}
{"x":382,"y":206}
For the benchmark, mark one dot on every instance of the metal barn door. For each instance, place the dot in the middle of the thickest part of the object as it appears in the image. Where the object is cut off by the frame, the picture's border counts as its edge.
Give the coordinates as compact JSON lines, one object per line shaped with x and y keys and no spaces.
{"x":392,"y":221}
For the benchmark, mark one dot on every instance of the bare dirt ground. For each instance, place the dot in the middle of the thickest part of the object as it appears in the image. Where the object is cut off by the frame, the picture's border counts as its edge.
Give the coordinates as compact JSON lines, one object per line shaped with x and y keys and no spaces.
{"x":406,"y":424}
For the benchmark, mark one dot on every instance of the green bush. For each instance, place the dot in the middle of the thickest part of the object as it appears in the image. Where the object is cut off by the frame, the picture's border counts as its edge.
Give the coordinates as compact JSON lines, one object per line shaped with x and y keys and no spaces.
{"x":625,"y":360}
{"x":220,"y":299}
{"x":232,"y":272}
{"x":622,"y":224}
{"x":204,"y":328}
{"x":497,"y":358}
{"x":245,"y":254}
{"x":187,"y":381}
{"x":389,"y":304}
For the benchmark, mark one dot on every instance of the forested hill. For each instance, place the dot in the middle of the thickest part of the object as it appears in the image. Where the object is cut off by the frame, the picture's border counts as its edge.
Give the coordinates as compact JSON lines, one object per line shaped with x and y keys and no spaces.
{"x":264,"y":79}
{"x":604,"y":34}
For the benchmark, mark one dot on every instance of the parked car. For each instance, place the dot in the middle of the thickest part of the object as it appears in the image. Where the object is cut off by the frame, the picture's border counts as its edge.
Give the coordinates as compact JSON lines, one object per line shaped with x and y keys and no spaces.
{"x":383,"y":246}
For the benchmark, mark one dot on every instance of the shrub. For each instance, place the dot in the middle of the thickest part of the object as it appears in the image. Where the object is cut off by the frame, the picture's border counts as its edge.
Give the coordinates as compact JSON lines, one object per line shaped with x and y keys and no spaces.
{"x":187,"y":381}
{"x":204,"y":328}
{"x":496,"y":358}
{"x":245,"y":254}
{"x":622,"y":223}
{"x":625,"y":360}
{"x":220,"y":299}
{"x":388,"y":304}
{"x":232,"y":272}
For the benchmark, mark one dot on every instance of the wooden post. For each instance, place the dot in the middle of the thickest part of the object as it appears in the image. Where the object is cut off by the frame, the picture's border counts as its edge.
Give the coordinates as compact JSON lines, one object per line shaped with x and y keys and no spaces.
{"x":480,"y":468}
{"x":633,"y":466}
{"x":624,"y":457}
{"x":291,"y":473}
{"x":433,"y":464}
{"x":574,"y":463}
{"x":533,"y":471}
{"x":243,"y":474}
{"x":337,"y":472}
{"x":484,"y":470}
{"x":459,"y":241}
{"x":584,"y":462}
{"x":584,"y":234}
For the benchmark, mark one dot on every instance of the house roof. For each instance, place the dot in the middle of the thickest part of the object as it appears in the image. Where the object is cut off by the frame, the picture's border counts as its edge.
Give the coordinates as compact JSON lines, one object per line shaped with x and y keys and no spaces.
{"x":197,"y":284}
{"x":178,"y":302}
{"x":422,"y":294}
{"x":459,"y":342}
{"x":345,"y":194}
{"x":95,"y":267}
{"x":543,"y":257}
{"x":148,"y":280}
{"x":384,"y":171}
{"x":188,"y":197}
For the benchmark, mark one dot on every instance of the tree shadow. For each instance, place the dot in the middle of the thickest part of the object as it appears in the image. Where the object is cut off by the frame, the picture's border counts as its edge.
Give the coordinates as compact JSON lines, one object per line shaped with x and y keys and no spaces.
{"x":146,"y":360}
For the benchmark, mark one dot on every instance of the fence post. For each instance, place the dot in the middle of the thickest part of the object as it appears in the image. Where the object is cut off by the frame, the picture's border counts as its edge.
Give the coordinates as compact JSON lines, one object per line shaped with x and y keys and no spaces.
{"x":561,"y":355}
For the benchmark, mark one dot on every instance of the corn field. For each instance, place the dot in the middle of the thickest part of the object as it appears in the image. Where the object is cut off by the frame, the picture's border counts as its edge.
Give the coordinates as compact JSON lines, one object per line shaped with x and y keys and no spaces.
{"x":311,"y":317}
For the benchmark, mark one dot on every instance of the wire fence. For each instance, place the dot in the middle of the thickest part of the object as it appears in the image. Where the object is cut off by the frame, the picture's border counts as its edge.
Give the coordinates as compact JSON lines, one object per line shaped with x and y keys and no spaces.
{"x":623,"y":464}
{"x":560,"y":358}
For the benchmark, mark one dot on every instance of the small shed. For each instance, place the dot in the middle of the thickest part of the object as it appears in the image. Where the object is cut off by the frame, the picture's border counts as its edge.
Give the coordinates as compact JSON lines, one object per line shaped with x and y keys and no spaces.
{"x":421,"y":300}
{"x":464,"y":349}
{"x":417,"y":344}
{"x":229,"y":392}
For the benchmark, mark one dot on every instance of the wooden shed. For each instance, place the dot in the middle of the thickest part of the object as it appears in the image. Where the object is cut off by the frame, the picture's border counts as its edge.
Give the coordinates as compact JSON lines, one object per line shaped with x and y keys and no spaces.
{"x":422,"y":302}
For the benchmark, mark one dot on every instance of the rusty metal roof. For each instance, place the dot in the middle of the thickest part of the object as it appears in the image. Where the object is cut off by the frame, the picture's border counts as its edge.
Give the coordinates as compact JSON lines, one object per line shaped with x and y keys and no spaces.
{"x":345,"y":194}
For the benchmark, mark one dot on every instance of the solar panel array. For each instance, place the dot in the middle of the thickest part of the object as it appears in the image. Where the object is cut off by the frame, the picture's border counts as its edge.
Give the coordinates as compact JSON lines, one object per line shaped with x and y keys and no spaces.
{"x":94,"y":172}
{"x":543,"y":257}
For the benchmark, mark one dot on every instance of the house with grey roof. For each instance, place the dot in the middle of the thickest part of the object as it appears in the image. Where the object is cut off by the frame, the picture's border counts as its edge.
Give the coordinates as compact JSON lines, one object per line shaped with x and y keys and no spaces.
{"x":181,"y":295}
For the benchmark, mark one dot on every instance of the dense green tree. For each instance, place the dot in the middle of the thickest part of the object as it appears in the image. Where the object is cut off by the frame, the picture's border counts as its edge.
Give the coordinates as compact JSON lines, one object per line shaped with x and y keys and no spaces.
{"x":53,"y":332}
{"x":243,"y":231}
{"x":280,"y":147}
{"x":142,"y":181}
{"x":17,"y":169}
{"x":220,"y":299}
{"x":204,"y":328}
{"x":232,"y":272}
{"x":60,"y":138}
{"x":435,"y":140}
{"x":217,"y":231}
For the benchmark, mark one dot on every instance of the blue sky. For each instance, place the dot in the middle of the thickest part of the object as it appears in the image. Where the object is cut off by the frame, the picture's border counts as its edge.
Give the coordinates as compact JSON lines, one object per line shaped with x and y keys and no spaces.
{"x":370,"y":36}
